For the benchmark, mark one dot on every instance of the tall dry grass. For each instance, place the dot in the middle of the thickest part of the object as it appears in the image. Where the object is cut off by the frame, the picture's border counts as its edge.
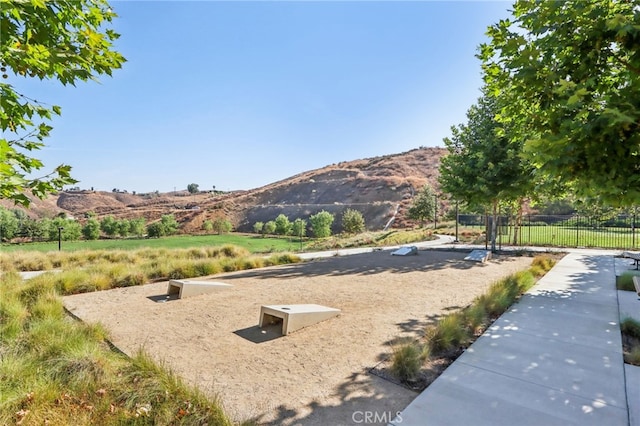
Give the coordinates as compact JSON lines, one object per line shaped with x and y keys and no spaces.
{"x":58,"y":371}
{"x":86,"y":271}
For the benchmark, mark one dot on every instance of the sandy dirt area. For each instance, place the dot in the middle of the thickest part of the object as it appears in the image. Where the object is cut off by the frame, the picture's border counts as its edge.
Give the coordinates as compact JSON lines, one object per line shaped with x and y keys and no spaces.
{"x":318,"y":375}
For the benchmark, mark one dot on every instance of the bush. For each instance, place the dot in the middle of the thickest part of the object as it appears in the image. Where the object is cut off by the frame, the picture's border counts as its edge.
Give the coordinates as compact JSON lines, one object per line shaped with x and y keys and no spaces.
{"x":59,"y":371}
{"x":625,"y":281}
{"x":406,"y":362}
{"x":353,"y":221}
{"x":630,"y":327}
{"x":449,"y":334}
{"x":475,"y":318}
{"x":633,"y":357}
{"x":544,"y":262}
{"x":499,"y":297}
{"x":131,"y":279}
{"x":525,"y":280}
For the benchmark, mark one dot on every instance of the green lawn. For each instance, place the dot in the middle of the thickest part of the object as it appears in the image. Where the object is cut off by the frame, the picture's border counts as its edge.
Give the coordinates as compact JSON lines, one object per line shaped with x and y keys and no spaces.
{"x":554,"y":236}
{"x":255,"y":244}
{"x":620,"y":238}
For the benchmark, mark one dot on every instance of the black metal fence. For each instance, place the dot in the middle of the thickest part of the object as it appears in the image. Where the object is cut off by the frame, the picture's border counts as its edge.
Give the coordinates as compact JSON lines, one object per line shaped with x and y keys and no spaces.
{"x":619,"y":232}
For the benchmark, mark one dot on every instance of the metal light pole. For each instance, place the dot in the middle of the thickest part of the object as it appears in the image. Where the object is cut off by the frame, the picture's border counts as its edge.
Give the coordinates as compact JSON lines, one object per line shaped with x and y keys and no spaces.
{"x":60,"y":228}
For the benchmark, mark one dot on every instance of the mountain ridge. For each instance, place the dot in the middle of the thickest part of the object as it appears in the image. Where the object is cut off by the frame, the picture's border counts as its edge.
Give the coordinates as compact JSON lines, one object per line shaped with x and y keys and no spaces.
{"x":380,"y":187}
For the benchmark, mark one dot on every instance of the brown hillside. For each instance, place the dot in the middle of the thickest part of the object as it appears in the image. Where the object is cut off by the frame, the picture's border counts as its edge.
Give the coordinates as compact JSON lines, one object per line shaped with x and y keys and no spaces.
{"x":377,"y":187}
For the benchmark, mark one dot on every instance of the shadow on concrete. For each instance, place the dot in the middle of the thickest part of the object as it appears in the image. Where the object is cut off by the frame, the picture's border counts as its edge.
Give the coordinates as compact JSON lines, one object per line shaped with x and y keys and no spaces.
{"x":360,"y":397}
{"x":559,"y":346}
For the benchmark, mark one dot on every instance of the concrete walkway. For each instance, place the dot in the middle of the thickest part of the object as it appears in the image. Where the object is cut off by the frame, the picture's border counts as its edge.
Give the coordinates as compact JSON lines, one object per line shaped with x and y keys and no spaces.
{"x":555,"y":358}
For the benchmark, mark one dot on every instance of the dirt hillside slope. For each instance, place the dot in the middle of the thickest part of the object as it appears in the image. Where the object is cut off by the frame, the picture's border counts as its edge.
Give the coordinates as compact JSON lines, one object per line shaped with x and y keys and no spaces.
{"x":380,"y":187}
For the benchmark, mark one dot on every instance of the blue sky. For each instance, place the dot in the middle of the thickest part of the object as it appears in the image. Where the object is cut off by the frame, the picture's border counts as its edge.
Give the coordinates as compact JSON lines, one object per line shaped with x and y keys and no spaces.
{"x":238,"y":95}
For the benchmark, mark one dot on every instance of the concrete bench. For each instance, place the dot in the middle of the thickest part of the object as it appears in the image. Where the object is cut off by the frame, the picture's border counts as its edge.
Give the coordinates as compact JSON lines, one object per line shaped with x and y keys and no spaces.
{"x":636,"y":284}
{"x":188,"y":288}
{"x":294,"y":317}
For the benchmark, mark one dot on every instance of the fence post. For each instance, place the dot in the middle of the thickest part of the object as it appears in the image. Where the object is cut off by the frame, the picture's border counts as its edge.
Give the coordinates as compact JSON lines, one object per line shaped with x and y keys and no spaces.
{"x":633,"y":228}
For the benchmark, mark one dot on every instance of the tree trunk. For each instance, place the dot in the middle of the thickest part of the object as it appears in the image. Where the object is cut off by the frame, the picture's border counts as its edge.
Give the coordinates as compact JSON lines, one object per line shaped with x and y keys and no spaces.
{"x":494,"y":226}
{"x":518,"y":224}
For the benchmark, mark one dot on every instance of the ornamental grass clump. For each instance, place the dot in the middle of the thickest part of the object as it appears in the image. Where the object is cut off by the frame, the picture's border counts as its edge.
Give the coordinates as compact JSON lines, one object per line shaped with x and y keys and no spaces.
{"x":475,"y":318}
{"x":541,"y":264}
{"x":633,"y":357}
{"x":73,"y":281}
{"x":56,"y":370}
{"x":500,"y":296}
{"x":281,"y":259}
{"x":449,"y":334}
{"x":625,"y":280}
{"x":31,"y":261}
{"x":406,"y":362}
{"x":630,"y":329}
{"x":86,"y":271}
{"x":162,"y":396}
{"x":457,"y":330}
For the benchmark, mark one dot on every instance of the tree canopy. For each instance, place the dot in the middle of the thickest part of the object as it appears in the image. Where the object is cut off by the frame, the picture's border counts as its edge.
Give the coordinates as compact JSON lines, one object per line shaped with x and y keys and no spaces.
{"x":321,"y":224}
{"x":484,"y":167}
{"x":423,"y":206}
{"x":568,"y":78}
{"x":193,"y":188}
{"x":66,"y":40}
{"x":353,"y":221}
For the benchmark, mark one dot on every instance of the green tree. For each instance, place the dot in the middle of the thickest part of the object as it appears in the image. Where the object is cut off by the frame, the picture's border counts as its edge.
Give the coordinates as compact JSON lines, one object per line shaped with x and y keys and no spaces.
{"x":483,"y":166}
{"x":283,"y":225}
{"x":91,"y":229}
{"x":270,"y":227}
{"x":109,"y":225}
{"x":562,"y":206}
{"x":207,"y":225}
{"x":321,"y":224}
{"x":222,"y":225}
{"x":352,"y":221}
{"x":123,"y":227}
{"x":299,"y":228}
{"x":169,"y":224}
{"x":423,"y":206}
{"x":39,"y":229}
{"x":137,"y":226}
{"x":258,"y":227}
{"x":568,"y":78}
{"x":66,"y":40}
{"x":155,"y":230}
{"x":8,"y":224}
{"x":596,"y":211}
{"x":71,"y":229}
{"x":193,"y":188}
